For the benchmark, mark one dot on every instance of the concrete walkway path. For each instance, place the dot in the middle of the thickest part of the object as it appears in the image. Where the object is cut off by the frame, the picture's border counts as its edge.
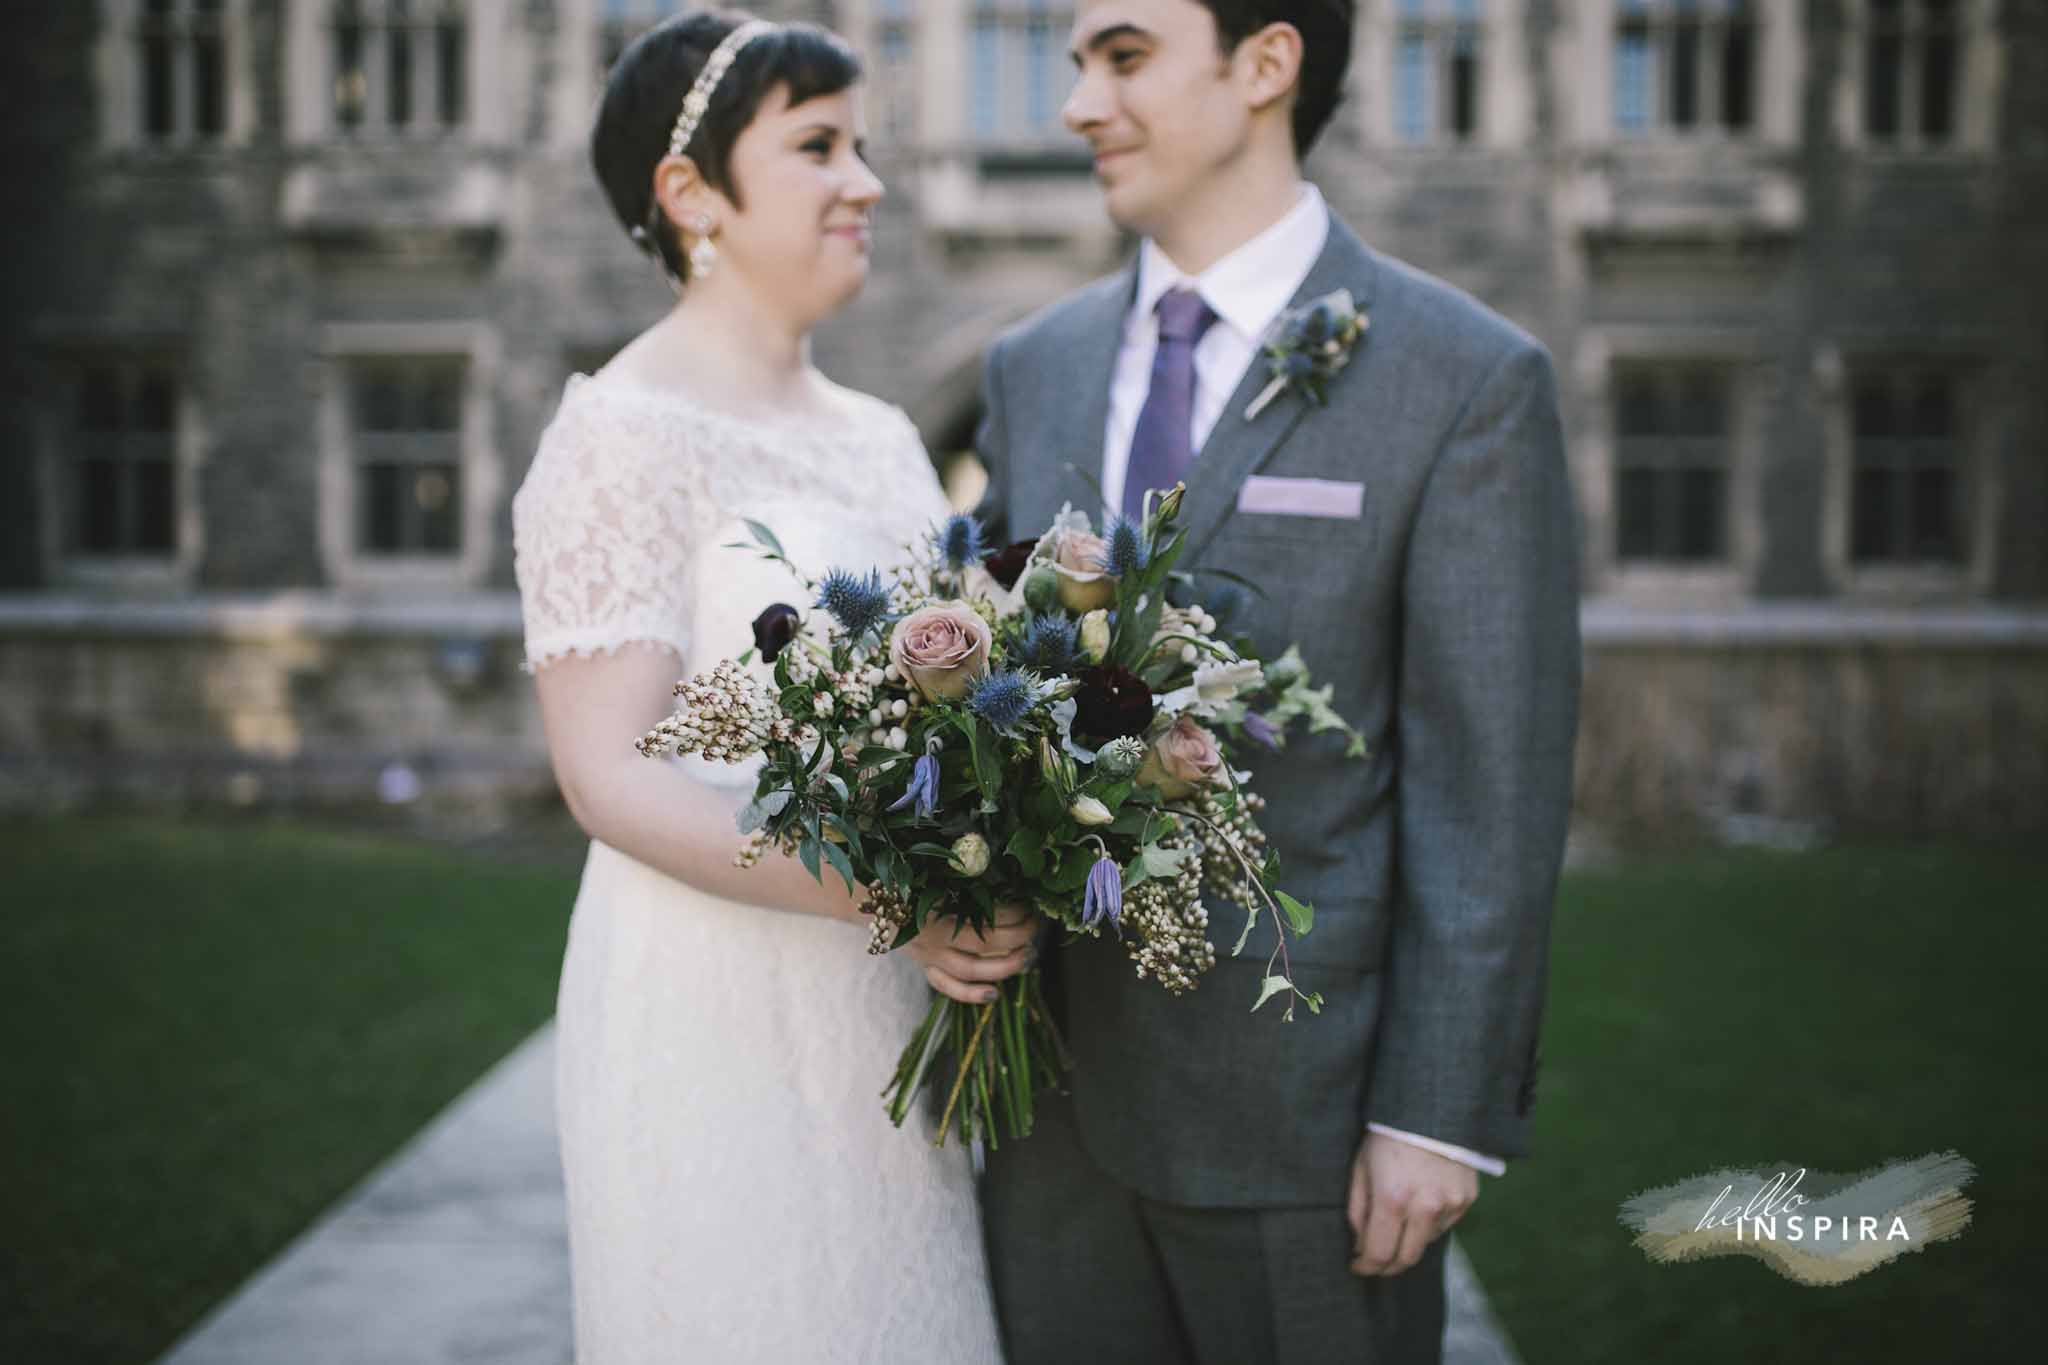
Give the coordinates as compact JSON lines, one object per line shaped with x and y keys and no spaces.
{"x":456,"y":1250}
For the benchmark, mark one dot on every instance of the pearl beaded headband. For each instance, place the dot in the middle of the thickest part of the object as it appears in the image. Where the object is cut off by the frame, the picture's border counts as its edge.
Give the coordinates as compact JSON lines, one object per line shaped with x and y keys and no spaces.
{"x":699,"y":98}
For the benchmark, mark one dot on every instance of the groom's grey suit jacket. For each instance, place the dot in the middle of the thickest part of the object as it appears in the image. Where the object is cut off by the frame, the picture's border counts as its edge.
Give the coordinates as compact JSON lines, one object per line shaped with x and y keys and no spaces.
{"x":1446,"y":618}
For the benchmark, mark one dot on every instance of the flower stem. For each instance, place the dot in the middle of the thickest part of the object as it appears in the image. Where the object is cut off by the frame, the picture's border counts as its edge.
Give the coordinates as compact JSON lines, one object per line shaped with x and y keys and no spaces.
{"x":973,"y":1045}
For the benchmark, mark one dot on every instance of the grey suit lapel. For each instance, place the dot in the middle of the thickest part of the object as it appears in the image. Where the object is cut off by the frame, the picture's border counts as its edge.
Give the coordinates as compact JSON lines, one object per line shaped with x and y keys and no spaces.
{"x":1077,"y":411}
{"x":1236,"y":448}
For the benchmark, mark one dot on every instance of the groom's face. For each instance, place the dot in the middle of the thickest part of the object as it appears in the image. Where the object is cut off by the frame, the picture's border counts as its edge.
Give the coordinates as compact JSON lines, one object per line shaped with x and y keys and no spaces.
{"x":1160,"y":103}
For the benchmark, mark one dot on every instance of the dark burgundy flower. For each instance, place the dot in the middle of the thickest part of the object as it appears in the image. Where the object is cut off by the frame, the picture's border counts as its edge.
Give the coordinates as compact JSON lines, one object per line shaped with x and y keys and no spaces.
{"x":1112,"y":701}
{"x":1007,"y":564}
{"x":775,"y":628}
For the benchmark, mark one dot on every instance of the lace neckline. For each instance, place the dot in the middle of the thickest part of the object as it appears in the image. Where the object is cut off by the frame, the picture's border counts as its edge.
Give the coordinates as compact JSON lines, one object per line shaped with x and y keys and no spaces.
{"x":636,"y":391}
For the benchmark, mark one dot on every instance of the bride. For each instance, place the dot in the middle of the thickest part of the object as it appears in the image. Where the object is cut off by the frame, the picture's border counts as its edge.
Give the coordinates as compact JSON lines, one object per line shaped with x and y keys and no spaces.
{"x":735,"y":1190}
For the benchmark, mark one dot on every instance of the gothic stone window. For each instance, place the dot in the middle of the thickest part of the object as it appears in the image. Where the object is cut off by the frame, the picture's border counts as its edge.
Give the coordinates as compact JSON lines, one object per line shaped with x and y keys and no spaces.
{"x":1017,"y":72}
{"x":1684,"y":66}
{"x":896,"y":80}
{"x":400,"y":66}
{"x":122,"y":468}
{"x":180,"y":59}
{"x":406,"y":417}
{"x":1437,"y":70}
{"x":1912,"y":58}
{"x":1906,"y":504}
{"x":619,"y":22}
{"x":1671,"y":458}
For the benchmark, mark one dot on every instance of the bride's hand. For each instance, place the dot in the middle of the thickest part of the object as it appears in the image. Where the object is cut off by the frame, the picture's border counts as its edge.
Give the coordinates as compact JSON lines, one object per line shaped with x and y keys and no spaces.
{"x":963,"y":964}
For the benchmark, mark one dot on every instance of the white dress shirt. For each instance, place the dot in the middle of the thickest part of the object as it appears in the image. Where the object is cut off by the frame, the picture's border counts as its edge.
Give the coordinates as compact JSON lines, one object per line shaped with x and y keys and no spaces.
{"x":1246,"y":289}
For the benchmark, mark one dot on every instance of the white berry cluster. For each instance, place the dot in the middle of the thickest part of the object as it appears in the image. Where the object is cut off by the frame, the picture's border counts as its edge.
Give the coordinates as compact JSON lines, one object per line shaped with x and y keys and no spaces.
{"x":1237,"y":830}
{"x":723,"y":715}
{"x":1175,"y":623}
{"x":756,"y":847}
{"x":1171,"y":942}
{"x":891,"y":912}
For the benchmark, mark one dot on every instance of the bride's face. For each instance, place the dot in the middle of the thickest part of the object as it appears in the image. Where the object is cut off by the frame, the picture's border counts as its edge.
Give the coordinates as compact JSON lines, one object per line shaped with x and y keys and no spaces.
{"x":802,"y":239}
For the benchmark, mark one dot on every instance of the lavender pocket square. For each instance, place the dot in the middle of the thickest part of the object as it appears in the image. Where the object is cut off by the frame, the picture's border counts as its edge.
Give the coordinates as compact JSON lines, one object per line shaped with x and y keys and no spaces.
{"x":1283,"y":497}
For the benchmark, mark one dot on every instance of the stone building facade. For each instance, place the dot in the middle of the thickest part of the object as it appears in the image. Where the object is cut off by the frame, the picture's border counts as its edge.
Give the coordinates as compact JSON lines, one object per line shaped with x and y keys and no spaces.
{"x":297,"y":283}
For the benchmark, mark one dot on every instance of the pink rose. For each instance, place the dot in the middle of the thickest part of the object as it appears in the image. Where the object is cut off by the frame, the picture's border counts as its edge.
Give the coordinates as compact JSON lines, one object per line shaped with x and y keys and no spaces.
{"x":1083,"y":585}
{"x":941,"y":648}
{"x":1182,"y":759}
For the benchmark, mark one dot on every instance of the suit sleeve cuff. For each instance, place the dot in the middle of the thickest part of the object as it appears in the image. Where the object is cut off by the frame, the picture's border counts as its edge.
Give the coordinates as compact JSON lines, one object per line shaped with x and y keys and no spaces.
{"x":1492,"y":1165}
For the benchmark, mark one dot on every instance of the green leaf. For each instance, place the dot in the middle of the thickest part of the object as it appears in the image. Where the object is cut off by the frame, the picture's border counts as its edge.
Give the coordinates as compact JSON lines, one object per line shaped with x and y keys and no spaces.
{"x":1073,"y":871}
{"x":1114,"y":794}
{"x":988,"y":767}
{"x":931,"y":849}
{"x":840,"y":863}
{"x":1269,"y":988}
{"x":1300,"y":916}
{"x":1027,"y":846}
{"x":761,"y":810}
{"x":807,"y":850}
{"x":1163,"y":862}
{"x":1251,"y":918}
{"x":765,"y":536}
{"x":849,"y":829}
{"x":1226,"y":574}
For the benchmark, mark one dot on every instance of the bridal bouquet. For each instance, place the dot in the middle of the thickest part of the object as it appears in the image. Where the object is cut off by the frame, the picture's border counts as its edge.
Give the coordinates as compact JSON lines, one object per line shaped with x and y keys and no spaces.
{"x":1033,"y":725}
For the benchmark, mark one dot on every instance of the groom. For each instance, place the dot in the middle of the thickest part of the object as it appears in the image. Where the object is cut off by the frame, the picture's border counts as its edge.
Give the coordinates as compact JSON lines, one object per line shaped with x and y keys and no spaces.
{"x":1222,"y":1186}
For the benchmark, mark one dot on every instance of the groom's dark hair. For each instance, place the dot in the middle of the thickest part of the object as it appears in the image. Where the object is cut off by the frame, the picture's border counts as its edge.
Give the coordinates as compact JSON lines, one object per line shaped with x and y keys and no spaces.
{"x":1325,"y":28}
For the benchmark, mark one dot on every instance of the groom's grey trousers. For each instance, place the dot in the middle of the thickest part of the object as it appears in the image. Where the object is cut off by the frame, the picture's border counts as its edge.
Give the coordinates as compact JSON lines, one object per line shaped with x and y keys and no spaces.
{"x":1087,"y":1270}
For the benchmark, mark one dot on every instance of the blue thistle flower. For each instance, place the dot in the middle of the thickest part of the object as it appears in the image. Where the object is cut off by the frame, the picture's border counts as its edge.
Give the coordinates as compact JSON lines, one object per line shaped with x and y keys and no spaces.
{"x":1125,"y":548}
{"x":1104,"y":896}
{"x":1262,"y":730}
{"x":1051,"y":644}
{"x":857,"y":604}
{"x":923,"y":788}
{"x":1298,"y":365}
{"x":958,"y":541}
{"x":1002,"y":699}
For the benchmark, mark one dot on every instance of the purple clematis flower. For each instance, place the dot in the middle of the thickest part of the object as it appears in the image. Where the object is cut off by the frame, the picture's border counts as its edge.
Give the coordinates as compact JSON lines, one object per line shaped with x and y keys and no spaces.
{"x":1261,"y":729}
{"x":923,"y":788}
{"x":1104,"y":896}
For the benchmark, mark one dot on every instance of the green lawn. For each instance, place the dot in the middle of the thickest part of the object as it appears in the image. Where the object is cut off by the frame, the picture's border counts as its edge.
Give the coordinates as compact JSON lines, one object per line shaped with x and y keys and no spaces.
{"x":1835,"y":1010}
{"x":213,"y":1030}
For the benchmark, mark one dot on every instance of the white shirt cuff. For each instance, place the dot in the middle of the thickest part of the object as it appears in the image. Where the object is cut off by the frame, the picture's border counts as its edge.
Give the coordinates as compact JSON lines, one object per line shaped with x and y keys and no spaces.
{"x":1492,"y":1165}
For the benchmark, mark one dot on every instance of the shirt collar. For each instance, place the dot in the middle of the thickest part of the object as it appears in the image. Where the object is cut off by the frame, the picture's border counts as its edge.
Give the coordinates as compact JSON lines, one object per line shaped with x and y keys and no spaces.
{"x":1248,"y":287}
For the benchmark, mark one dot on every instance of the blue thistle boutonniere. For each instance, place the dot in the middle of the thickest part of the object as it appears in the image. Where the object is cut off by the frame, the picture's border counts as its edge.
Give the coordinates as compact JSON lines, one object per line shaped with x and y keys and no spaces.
{"x":1307,"y":346}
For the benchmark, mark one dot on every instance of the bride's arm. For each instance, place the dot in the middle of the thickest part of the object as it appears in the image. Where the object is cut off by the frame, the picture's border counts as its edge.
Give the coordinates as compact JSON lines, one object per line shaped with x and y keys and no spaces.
{"x":593,"y":709}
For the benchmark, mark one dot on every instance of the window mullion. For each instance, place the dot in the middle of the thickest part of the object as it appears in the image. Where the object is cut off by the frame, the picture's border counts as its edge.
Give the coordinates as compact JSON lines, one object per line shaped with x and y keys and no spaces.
{"x":1912,"y":37}
{"x":1658,"y":102}
{"x":1443,"y":93}
{"x":426,"y":70}
{"x":1713,"y":62}
{"x":376,"y":74}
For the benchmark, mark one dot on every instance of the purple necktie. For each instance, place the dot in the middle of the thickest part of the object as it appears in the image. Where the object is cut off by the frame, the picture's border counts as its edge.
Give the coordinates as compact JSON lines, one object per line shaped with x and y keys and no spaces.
{"x":1162,"y":445}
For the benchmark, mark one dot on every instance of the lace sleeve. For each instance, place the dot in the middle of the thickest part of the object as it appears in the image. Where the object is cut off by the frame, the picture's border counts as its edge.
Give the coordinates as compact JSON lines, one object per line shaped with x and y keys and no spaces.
{"x":602,"y":537}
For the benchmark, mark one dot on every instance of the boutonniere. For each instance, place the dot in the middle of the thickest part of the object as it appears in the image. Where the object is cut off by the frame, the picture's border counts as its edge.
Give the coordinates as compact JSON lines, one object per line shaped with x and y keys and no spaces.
{"x":1307,"y":346}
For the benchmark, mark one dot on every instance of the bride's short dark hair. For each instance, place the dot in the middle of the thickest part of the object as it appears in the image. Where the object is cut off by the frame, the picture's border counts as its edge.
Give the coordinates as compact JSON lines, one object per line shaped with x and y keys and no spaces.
{"x":644,"y":93}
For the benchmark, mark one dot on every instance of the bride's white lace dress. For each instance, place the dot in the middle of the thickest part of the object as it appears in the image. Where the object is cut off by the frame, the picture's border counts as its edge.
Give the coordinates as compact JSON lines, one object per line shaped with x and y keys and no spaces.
{"x":735,"y":1191}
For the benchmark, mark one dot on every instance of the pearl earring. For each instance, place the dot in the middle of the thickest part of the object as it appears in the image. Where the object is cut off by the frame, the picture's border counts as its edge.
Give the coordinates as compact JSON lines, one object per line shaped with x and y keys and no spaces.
{"x":703,"y":255}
